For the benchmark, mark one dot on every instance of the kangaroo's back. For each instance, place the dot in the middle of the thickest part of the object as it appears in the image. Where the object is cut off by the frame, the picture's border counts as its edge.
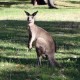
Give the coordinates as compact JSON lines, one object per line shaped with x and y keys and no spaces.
{"x":43,"y":38}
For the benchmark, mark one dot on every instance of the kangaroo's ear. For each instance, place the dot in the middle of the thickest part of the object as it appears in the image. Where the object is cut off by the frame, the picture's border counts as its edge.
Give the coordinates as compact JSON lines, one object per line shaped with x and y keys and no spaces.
{"x":27,"y":13}
{"x":34,"y":13}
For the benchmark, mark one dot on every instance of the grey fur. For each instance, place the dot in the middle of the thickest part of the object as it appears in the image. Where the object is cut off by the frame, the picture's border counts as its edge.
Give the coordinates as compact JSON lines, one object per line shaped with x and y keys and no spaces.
{"x":44,"y":43}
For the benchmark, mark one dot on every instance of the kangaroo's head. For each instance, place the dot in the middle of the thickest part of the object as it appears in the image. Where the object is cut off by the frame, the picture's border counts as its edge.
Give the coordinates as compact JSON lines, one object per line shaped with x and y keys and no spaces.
{"x":30,"y":18}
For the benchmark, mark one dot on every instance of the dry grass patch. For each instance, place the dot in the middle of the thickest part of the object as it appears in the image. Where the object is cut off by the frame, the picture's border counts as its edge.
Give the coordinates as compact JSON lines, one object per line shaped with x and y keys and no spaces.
{"x":66,"y":4}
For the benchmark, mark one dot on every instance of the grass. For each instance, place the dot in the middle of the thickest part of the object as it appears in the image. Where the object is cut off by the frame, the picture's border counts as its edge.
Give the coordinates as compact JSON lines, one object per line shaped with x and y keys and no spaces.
{"x":16,"y":63}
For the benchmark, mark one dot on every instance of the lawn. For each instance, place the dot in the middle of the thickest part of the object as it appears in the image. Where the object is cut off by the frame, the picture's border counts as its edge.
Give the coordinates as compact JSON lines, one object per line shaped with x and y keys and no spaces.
{"x":17,"y":63}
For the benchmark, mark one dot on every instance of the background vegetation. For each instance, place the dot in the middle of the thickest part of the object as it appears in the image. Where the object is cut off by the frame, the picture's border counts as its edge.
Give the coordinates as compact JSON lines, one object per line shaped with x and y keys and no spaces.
{"x":16,"y":63}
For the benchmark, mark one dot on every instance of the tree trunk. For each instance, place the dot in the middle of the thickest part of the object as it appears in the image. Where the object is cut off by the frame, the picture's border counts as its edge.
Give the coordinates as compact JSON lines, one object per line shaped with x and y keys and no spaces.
{"x":34,"y":2}
{"x":51,"y":4}
{"x":43,"y":2}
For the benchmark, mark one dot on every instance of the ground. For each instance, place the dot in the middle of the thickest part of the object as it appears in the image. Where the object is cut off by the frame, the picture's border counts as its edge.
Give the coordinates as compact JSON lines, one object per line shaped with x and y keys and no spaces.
{"x":16,"y":63}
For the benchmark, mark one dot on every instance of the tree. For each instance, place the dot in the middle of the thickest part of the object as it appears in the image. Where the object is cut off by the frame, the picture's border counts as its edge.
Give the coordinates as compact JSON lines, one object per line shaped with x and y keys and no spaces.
{"x":43,"y":2}
{"x":51,"y":4}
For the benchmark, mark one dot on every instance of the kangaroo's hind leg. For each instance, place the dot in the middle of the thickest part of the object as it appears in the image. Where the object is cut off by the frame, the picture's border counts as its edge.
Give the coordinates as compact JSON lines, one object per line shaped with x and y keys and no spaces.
{"x":39,"y":57}
{"x":40,"y":53}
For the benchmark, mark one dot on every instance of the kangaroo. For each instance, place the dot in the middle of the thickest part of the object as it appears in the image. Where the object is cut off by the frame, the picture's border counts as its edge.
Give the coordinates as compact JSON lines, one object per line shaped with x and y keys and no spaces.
{"x":44,"y":43}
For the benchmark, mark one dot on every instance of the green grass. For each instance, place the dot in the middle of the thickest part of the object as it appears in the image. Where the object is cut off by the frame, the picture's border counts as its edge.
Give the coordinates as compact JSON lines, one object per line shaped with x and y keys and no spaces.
{"x":16,"y":63}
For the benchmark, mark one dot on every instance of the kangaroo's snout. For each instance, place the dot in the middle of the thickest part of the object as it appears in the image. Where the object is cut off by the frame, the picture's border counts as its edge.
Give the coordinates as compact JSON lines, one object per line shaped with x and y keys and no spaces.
{"x":30,"y":19}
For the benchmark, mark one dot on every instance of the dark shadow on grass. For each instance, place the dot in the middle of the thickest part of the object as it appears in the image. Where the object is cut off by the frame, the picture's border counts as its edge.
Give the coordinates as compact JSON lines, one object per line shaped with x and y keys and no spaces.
{"x":16,"y":75}
{"x":74,"y":2}
{"x":10,"y":3}
{"x":31,"y":61}
{"x":22,"y":73}
{"x":18,"y":60}
{"x":70,"y":62}
{"x":13,"y":30}
{"x":24,"y":61}
{"x":16,"y":31}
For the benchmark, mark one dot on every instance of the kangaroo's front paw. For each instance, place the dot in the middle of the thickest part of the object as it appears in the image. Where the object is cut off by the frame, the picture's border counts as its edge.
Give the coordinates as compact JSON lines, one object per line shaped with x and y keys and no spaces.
{"x":30,"y":46}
